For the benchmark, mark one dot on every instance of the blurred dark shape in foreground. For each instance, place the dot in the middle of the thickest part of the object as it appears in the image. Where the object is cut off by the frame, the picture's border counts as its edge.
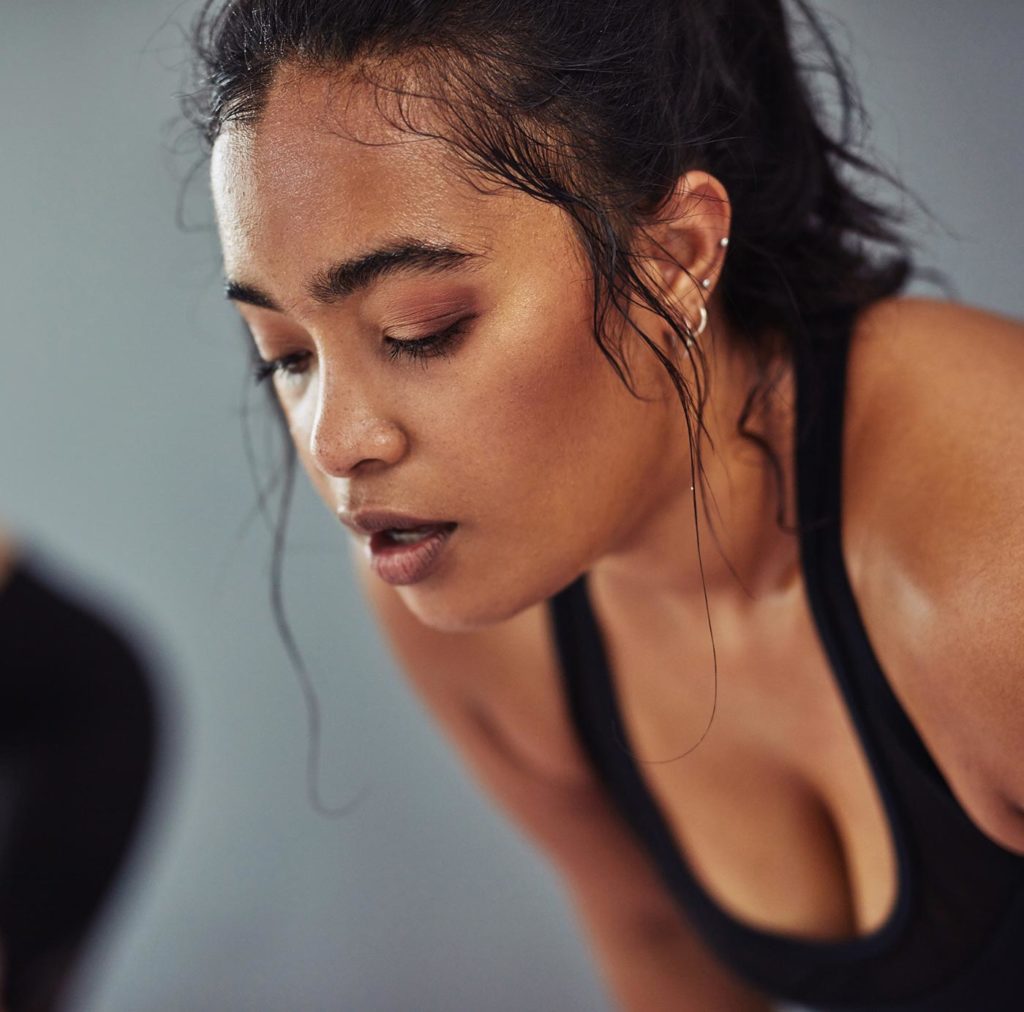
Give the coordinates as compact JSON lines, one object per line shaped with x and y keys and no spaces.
{"x":77,"y":743}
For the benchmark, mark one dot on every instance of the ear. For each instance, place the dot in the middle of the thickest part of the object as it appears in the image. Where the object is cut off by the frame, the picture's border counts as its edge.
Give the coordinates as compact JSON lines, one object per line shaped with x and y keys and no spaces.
{"x":683,"y":244}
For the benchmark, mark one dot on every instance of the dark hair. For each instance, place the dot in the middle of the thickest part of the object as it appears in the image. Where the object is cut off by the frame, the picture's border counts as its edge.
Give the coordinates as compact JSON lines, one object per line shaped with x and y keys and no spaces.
{"x":599,"y":107}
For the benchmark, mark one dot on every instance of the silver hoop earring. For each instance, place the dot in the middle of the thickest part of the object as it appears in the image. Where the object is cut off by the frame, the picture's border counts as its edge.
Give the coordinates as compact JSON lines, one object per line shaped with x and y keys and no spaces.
{"x":699,"y":329}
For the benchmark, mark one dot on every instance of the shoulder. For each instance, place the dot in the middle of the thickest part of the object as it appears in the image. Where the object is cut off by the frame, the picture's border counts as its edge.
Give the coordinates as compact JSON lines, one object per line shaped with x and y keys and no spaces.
{"x":939,"y":355}
{"x":934,"y":426}
{"x":934,"y":536}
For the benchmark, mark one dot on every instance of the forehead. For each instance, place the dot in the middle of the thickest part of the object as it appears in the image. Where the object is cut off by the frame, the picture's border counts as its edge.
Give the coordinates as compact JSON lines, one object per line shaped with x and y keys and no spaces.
{"x":325,"y":173}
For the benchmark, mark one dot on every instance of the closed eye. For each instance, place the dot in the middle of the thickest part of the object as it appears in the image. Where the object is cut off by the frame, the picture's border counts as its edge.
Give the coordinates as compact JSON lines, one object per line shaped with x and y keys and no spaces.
{"x":294,"y":364}
{"x":419,"y":348}
{"x":432,"y":346}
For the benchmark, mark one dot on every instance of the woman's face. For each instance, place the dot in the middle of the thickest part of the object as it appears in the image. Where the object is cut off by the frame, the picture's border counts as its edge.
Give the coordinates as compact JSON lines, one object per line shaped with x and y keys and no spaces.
{"x":435,"y":356}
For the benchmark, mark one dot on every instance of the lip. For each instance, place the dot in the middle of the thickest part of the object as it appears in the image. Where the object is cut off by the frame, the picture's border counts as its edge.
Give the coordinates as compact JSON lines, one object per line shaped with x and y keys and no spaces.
{"x":375,"y":521}
{"x":403,"y":565}
{"x":400,"y":565}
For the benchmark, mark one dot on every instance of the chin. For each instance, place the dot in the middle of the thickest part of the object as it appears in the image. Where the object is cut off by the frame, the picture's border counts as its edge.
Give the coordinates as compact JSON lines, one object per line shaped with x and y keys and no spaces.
{"x":464,"y":606}
{"x":449,"y":613}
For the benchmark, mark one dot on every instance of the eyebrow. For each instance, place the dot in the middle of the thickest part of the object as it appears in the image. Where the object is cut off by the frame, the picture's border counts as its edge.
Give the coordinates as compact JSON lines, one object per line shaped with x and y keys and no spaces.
{"x":346,"y":277}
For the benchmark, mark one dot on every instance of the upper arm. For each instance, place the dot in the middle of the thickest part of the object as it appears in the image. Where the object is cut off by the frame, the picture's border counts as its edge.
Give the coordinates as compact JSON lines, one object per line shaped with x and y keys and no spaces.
{"x":7,"y":557}
{"x":936,"y":530}
{"x":496,"y":695}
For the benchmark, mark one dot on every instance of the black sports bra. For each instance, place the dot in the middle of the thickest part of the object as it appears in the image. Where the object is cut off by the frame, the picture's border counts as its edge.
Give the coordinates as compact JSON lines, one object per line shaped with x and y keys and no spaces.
{"x":954,"y":940}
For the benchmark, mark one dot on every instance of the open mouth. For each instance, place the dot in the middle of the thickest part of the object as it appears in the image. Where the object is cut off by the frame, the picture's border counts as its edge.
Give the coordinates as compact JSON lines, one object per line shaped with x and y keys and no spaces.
{"x":411,"y":535}
{"x":406,"y":555}
{"x":400,"y":537}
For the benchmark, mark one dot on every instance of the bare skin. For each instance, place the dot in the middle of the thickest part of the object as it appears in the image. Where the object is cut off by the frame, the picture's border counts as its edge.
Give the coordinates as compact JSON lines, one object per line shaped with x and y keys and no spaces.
{"x":7,"y":557}
{"x":522,"y":435}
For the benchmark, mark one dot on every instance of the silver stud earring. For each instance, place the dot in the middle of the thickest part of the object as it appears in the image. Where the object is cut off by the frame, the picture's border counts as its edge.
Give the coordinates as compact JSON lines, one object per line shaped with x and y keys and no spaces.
{"x":706,"y":284}
{"x":724,"y":241}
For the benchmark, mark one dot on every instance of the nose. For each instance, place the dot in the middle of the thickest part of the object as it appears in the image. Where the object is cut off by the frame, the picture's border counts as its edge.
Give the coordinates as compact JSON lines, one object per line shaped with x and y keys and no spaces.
{"x":350,"y":434}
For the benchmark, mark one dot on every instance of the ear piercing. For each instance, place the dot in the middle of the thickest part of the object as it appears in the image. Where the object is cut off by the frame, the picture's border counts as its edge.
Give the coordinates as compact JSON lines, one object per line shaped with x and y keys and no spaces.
{"x":706,"y":285}
{"x":700,"y":328}
{"x":723,"y":243}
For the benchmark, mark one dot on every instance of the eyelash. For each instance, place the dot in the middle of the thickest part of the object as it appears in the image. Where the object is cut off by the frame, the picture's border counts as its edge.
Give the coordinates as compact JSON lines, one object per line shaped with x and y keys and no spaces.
{"x":437,"y":345}
{"x":422,"y":349}
{"x":262,"y":371}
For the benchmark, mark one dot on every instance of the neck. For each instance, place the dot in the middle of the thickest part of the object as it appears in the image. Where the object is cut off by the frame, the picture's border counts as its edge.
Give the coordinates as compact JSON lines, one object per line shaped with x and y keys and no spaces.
{"x":723,"y":539}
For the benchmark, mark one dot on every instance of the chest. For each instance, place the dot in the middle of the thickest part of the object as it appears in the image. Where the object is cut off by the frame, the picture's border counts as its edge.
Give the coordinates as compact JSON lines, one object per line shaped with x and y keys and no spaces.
{"x":748,"y":749}
{"x":757,"y":767}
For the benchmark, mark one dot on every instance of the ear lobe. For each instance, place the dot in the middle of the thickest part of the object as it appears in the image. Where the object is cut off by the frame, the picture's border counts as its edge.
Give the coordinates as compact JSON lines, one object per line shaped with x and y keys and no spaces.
{"x":685,"y":241}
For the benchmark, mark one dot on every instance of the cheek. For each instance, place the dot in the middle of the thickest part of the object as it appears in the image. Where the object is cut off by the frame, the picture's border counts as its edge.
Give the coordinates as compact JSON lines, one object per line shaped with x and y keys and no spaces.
{"x":548,"y":445}
{"x":544,"y":467}
{"x":532,"y":415}
{"x":298,"y":420}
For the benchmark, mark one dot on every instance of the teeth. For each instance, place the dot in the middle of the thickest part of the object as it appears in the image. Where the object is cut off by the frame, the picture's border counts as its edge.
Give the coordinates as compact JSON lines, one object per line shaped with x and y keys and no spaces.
{"x":409,"y":537}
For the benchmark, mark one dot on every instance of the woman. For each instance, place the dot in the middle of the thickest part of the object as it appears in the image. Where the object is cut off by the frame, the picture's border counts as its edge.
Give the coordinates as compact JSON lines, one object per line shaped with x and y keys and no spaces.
{"x":578,"y":324}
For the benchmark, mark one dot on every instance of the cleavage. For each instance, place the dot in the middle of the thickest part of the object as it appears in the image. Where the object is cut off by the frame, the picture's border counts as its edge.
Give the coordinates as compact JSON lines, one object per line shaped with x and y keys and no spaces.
{"x":773,"y":806}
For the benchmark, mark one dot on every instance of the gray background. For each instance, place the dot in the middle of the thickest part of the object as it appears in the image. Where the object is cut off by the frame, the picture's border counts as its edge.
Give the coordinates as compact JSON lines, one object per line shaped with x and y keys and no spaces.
{"x":121,"y":380}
